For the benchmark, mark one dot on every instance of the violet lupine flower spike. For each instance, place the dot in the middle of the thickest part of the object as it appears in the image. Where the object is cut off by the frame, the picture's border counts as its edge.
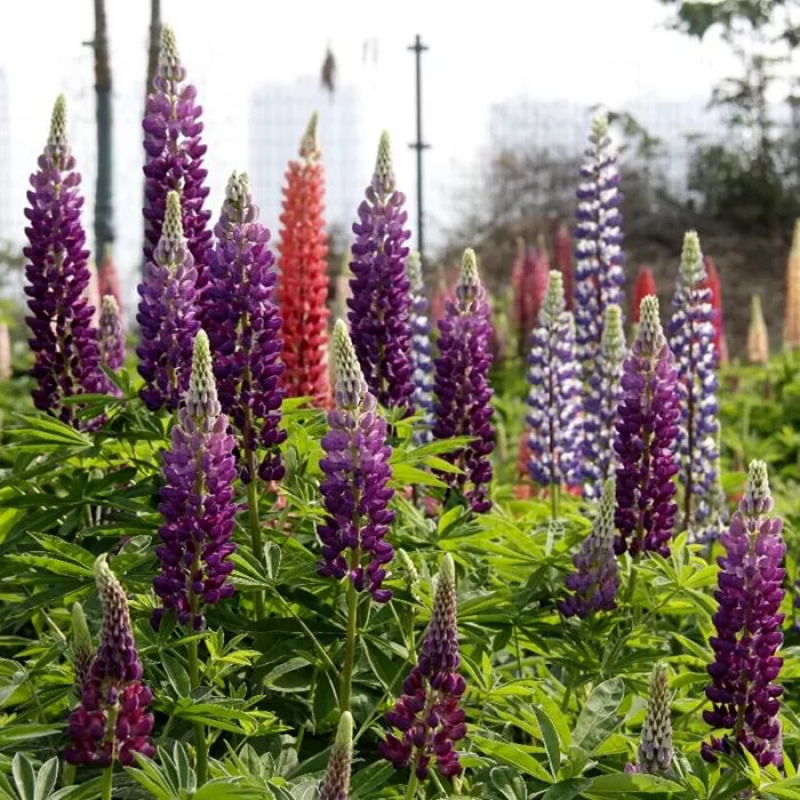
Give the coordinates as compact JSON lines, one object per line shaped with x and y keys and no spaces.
{"x":112,"y":721}
{"x":554,"y":404}
{"x":355,"y":491}
{"x":745,"y":698}
{"x":428,"y":716}
{"x":646,"y":440}
{"x":82,"y":648}
{"x":691,"y":337}
{"x":168,"y":315}
{"x":112,"y":338}
{"x":655,"y":744}
{"x":461,"y":385}
{"x":420,"y":347}
{"x":601,"y":404}
{"x":336,"y":783}
{"x":174,"y":156}
{"x":244,"y":330}
{"x":599,"y":275}
{"x":197,"y":502}
{"x":380,"y":301}
{"x":63,"y":337}
{"x":595,"y":582}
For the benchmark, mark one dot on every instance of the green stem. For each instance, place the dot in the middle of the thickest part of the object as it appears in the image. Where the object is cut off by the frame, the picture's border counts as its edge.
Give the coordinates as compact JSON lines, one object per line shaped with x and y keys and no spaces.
{"x":255,"y":527}
{"x":555,"y":497}
{"x":108,"y":783}
{"x":69,"y":775}
{"x":411,"y":792}
{"x":350,"y":644}
{"x":200,"y":743}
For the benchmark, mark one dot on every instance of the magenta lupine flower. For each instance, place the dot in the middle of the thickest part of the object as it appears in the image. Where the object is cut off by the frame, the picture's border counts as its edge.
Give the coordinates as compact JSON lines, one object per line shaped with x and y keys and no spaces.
{"x":168,"y":315}
{"x":355,"y":491}
{"x":595,"y":582}
{"x":646,"y":441}
{"x":112,"y":338}
{"x":63,"y":337}
{"x":655,"y":743}
{"x":380,"y":301}
{"x":604,"y":392}
{"x":599,"y":274}
{"x":461,"y":385}
{"x":174,"y":156}
{"x":428,"y":716}
{"x":554,"y":403}
{"x":420,"y":347}
{"x":691,"y":337}
{"x":244,"y":330}
{"x":336,"y":783}
{"x":112,"y":721}
{"x":197,"y":502}
{"x":745,"y":698}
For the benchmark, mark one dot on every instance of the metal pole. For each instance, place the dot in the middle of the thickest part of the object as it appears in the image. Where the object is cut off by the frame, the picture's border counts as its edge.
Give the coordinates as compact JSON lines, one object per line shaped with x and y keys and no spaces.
{"x":103,"y":209}
{"x":419,"y":145}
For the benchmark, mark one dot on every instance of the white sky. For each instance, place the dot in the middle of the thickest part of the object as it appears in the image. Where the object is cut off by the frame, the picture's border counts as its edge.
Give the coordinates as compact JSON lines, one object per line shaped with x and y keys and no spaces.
{"x":584,"y":51}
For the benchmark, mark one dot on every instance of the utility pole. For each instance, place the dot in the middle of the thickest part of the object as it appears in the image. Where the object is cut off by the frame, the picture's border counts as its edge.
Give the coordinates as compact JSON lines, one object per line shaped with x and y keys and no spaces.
{"x":153,"y":49}
{"x":103,"y":208}
{"x":418,"y":48}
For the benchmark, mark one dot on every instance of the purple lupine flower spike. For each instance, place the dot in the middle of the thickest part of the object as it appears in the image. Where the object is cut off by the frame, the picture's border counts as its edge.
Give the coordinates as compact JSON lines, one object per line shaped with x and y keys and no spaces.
{"x":63,"y":337}
{"x":595,"y":582}
{"x":420,"y":347}
{"x":83,"y":651}
{"x":646,"y":440}
{"x":336,"y":783}
{"x":112,"y":338}
{"x":691,"y":337}
{"x":428,"y":716}
{"x":355,"y":490}
{"x":197,"y":502}
{"x":112,"y":721}
{"x":461,"y":385}
{"x":554,"y":404}
{"x":745,"y":698}
{"x":244,"y":330}
{"x":174,"y":156}
{"x":380,"y":300}
{"x":655,"y":744}
{"x":168,"y":315}
{"x":602,"y":401}
{"x":599,"y":259}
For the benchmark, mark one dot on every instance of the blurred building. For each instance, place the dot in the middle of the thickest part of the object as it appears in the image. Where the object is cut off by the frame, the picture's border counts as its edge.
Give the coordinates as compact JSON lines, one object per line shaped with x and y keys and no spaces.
{"x":279,"y":114}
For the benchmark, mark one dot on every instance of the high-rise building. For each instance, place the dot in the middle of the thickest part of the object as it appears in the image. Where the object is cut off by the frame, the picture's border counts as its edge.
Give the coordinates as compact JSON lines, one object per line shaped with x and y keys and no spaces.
{"x":279,"y":114}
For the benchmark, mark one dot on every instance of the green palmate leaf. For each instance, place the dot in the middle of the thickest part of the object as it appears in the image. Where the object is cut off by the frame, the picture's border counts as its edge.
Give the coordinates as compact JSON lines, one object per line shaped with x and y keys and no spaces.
{"x":550,"y":738}
{"x":177,"y":675}
{"x":14,"y":734}
{"x":599,"y":716}
{"x":568,"y":789}
{"x":632,"y":783}
{"x":508,"y":783}
{"x":373,"y":777}
{"x":46,"y":779}
{"x":514,"y":755}
{"x":24,"y":776}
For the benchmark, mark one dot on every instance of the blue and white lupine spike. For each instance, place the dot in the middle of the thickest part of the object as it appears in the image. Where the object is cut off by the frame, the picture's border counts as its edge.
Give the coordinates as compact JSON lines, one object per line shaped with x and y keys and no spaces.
{"x":554,"y":401}
{"x":691,"y":338}
{"x":603,"y":395}
{"x":420,"y":320}
{"x":599,"y":274}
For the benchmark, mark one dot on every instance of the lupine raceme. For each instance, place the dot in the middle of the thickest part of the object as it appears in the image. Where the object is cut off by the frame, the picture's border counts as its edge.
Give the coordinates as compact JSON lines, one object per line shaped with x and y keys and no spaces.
{"x":757,"y":334}
{"x":655,"y":744}
{"x":112,"y":721}
{"x":691,"y":337}
{"x":168,"y":315}
{"x":461,"y":385}
{"x":336,"y":783}
{"x":420,"y":346}
{"x":112,"y":338}
{"x":601,"y":401}
{"x":554,"y":401}
{"x":174,"y":157}
{"x":428,"y":717}
{"x":197,"y":502}
{"x":244,"y":332}
{"x":63,"y":337}
{"x":745,"y":698}
{"x":595,"y":581}
{"x":599,"y":275}
{"x":355,"y":491}
{"x":380,"y":304}
{"x":646,"y":440}
{"x":303,"y":281}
